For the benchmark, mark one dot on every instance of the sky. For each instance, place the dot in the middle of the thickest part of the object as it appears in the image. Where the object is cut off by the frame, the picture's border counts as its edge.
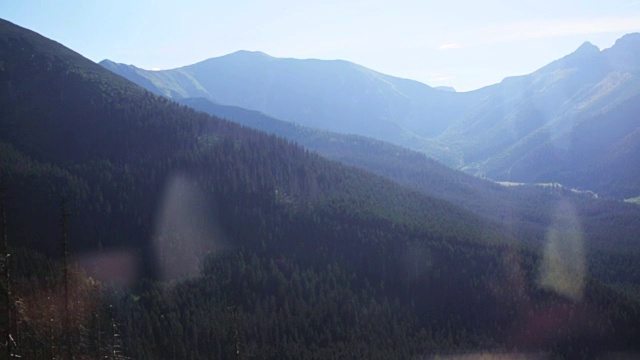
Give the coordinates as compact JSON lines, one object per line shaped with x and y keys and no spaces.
{"x":463,"y":44}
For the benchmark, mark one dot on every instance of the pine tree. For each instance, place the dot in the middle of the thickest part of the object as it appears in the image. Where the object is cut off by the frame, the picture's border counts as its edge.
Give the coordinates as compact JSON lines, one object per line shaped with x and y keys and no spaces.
{"x":116,"y":348}
{"x":64,"y":224}
{"x":5,"y":256}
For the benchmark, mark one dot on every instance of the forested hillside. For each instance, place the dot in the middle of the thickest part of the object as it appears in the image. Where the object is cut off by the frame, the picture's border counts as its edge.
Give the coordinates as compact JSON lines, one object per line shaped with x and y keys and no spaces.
{"x":525,"y":210}
{"x":168,"y":233}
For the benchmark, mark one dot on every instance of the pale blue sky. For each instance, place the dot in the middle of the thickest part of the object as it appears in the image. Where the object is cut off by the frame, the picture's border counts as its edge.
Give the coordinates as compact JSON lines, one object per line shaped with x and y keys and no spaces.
{"x":465,"y":44}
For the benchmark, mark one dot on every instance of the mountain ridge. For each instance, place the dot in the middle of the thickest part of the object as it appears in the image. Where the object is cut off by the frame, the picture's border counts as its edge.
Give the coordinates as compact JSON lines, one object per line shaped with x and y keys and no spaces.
{"x":552,"y":101}
{"x":500,"y":131}
{"x":394,"y":97}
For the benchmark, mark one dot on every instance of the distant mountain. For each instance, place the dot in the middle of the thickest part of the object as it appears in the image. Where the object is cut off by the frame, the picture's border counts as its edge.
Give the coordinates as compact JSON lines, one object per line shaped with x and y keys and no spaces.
{"x":332,"y":95}
{"x":543,"y":127}
{"x":573,"y":121}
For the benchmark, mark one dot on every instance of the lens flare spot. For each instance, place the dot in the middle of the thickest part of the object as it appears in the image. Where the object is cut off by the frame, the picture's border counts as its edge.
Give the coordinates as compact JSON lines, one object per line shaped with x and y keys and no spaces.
{"x":563,"y":266}
{"x":185,"y":230}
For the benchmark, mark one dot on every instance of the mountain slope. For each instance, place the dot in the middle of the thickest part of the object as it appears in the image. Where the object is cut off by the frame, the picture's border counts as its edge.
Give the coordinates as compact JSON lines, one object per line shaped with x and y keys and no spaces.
{"x":298,"y":256}
{"x":572,"y":122}
{"x":526,"y":211}
{"x":331,"y":95}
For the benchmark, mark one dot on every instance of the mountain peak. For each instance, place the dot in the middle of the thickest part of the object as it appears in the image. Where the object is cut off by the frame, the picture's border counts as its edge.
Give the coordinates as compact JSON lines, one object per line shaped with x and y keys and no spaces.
{"x":249,"y":53}
{"x":585,"y":55}
{"x":628,"y":40}
{"x":586,"y":49}
{"x":625,"y":53}
{"x":108,"y":64}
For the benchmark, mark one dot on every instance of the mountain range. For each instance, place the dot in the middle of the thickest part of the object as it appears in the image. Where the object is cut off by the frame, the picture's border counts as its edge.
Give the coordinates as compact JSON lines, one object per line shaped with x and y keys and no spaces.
{"x":223,"y":241}
{"x":331,"y":95}
{"x":570,"y":122}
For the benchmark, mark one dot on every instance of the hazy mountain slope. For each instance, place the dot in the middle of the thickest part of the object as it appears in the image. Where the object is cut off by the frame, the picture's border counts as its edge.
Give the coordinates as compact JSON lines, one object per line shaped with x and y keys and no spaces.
{"x":332,"y":95}
{"x":397,"y":163}
{"x":599,"y":153}
{"x":560,"y":123}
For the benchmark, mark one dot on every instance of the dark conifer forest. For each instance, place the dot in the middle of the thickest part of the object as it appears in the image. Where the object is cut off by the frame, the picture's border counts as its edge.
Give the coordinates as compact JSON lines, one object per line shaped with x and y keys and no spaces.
{"x":134,"y":227}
